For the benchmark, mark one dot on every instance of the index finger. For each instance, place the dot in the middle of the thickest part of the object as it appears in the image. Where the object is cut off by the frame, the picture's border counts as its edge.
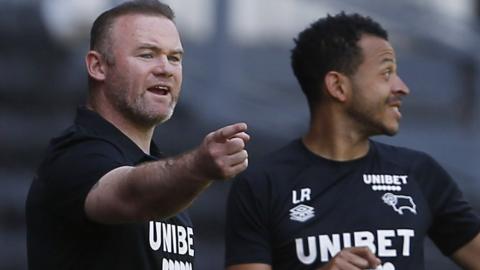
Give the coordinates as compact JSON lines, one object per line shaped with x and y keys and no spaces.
{"x":225,"y":133}
{"x":242,"y":135}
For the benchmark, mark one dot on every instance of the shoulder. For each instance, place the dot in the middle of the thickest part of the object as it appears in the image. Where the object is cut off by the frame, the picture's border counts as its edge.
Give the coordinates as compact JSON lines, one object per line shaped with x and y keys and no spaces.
{"x":399,"y":152}
{"x":420,"y":166}
{"x":79,"y":140}
{"x":75,"y":147}
{"x":402,"y":156}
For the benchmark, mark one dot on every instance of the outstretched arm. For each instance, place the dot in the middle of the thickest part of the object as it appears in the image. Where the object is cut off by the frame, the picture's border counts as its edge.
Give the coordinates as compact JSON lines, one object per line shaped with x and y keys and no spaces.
{"x":162,"y":188}
{"x":250,"y":266}
{"x":354,"y":258}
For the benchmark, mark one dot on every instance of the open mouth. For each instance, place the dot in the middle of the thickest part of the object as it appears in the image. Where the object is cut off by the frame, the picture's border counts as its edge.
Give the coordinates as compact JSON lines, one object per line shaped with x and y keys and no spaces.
{"x":396,"y":110}
{"x":159,"y":90}
{"x":395,"y":103}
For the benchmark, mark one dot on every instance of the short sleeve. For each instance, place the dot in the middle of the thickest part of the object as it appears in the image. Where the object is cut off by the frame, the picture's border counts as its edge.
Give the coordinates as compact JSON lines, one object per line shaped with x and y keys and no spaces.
{"x":454,"y":221}
{"x":247,"y":235}
{"x":72,"y":171}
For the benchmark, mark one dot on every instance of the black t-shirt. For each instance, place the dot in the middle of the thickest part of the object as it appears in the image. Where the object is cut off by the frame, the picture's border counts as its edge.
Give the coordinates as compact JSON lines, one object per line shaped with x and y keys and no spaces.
{"x":296,"y":210}
{"x":60,"y":236}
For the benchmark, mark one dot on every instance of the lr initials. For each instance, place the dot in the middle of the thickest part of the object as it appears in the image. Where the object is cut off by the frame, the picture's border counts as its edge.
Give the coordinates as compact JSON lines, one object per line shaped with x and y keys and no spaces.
{"x":304,"y":195}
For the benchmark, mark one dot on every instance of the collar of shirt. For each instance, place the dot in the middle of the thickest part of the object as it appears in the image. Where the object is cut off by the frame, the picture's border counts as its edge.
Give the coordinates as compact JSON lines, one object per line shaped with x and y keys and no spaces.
{"x":97,"y":126}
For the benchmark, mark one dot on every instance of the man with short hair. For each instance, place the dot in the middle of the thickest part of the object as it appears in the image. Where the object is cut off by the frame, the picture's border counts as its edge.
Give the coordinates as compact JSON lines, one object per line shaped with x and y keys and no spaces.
{"x":335,"y":199}
{"x":104,"y":198}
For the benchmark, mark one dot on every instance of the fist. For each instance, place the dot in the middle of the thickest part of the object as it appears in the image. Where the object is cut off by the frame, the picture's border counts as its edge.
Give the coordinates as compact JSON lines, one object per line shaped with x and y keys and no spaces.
{"x":222,"y":153}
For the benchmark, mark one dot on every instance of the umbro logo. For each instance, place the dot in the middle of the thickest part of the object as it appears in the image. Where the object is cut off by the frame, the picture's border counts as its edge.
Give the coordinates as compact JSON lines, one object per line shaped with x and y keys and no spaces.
{"x":302,"y":213}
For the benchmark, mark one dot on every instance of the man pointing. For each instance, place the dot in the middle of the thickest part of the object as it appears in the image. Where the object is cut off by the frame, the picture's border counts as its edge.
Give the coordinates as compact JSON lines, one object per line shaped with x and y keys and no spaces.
{"x":104,"y":198}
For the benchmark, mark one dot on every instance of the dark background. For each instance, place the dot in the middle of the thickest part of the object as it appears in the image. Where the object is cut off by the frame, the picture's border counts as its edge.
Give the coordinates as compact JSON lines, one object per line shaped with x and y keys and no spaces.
{"x":236,"y":68}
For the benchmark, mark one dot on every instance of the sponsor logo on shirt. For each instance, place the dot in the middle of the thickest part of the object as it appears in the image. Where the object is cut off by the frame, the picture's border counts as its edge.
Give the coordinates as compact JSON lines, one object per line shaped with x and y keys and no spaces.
{"x":385,"y":182}
{"x":175,"y":265}
{"x":385,"y":266}
{"x":400,"y":203}
{"x":301,"y":212}
{"x":173,"y":239}
{"x":324,"y":247}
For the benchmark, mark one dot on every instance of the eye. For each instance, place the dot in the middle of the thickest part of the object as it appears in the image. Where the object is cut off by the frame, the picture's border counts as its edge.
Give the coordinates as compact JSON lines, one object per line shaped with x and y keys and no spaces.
{"x":387,"y":74}
{"x":174,"y":58}
{"x":146,"y":55}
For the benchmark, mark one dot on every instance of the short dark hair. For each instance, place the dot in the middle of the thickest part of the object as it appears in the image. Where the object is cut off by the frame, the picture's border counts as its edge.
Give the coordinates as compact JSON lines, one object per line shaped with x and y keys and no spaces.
{"x":328,"y":44}
{"x":100,"y":32}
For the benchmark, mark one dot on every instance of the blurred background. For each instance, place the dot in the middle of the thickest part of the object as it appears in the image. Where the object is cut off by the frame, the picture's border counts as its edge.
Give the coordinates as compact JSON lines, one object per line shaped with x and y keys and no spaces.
{"x":236,"y":68}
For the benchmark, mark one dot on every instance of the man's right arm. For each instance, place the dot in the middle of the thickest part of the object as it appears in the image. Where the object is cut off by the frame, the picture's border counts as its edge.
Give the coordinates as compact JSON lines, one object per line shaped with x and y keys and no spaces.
{"x":250,"y":266}
{"x":353,"y":258}
{"x":162,"y":188}
{"x":347,"y":259}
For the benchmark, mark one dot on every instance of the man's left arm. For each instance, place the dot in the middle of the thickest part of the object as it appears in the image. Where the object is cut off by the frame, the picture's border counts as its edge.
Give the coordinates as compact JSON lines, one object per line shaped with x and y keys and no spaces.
{"x":468,"y":256}
{"x":456,"y":225}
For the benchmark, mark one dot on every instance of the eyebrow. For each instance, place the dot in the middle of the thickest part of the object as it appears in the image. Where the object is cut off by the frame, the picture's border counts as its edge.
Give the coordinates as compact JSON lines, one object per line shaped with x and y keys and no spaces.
{"x":156,"y":48}
{"x":388,"y":61}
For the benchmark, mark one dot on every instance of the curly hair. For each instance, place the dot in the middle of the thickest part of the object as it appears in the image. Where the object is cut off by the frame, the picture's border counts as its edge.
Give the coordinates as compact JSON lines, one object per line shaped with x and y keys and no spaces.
{"x":328,"y":44}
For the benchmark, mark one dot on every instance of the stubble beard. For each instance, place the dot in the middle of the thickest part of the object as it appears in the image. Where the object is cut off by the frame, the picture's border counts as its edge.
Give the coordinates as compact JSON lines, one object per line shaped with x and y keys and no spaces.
{"x":137,"y":110}
{"x":365,"y":116}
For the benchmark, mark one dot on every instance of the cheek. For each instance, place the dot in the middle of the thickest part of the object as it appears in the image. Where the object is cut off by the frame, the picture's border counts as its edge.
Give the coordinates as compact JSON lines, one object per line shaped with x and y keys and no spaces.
{"x":374,"y":94}
{"x":179,"y":78}
{"x":179,"y":74}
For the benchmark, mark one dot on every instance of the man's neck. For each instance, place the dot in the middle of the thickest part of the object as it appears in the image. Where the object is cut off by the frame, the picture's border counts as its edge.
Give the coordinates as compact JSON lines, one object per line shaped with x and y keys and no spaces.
{"x":141,"y":136}
{"x":335,"y":139}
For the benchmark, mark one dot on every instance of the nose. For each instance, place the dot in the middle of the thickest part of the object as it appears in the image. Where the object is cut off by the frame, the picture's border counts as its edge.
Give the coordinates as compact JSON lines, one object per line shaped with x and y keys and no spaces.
{"x":399,"y":87}
{"x":163,"y":67}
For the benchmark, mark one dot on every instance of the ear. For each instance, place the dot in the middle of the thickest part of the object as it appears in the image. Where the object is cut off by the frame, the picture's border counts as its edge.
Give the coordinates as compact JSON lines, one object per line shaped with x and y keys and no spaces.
{"x":96,"y":67}
{"x":336,"y":85}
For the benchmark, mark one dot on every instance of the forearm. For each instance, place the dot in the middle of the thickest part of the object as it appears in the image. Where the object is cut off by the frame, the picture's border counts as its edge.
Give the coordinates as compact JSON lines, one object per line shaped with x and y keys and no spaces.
{"x":160,"y":189}
{"x":157,"y":189}
{"x":250,"y":266}
{"x":163,"y":188}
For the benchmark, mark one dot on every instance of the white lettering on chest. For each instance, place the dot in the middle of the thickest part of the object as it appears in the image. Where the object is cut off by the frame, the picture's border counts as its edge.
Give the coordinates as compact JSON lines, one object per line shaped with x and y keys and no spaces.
{"x":303,"y":196}
{"x":171,"y":238}
{"x":327,"y":246}
{"x":175,"y":265}
{"x":385,"y":182}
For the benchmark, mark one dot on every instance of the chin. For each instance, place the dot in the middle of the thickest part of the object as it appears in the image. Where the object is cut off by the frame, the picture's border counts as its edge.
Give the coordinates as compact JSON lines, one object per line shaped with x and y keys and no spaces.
{"x":384,"y":130}
{"x":391,"y":127}
{"x":162,"y":118}
{"x":151,"y":119}
{"x":391,"y":131}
